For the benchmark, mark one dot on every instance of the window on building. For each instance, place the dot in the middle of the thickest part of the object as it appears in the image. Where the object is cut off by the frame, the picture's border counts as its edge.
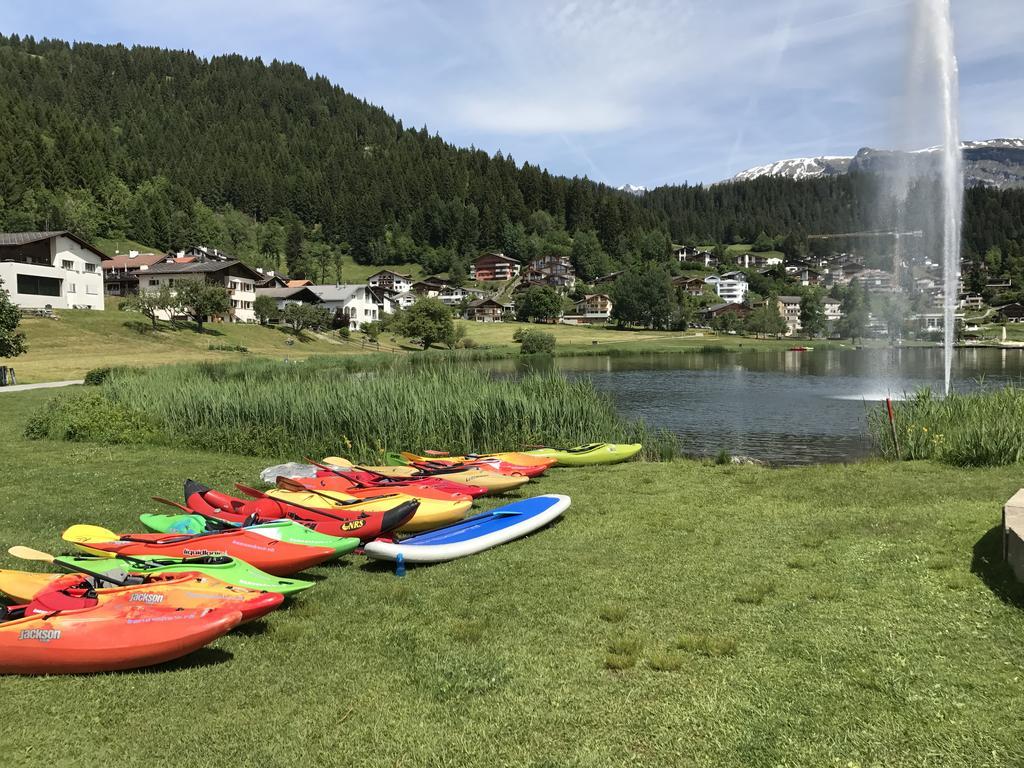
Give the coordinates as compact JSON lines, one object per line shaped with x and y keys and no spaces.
{"x":154,"y":282}
{"x":33,"y":285}
{"x":90,"y":267}
{"x":71,"y":287}
{"x":66,"y":264}
{"x":90,"y":290}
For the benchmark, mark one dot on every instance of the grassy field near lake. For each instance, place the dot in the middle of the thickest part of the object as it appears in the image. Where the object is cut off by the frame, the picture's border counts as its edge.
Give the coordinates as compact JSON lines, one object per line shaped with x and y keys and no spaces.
{"x":680,"y":614}
{"x":81,"y":340}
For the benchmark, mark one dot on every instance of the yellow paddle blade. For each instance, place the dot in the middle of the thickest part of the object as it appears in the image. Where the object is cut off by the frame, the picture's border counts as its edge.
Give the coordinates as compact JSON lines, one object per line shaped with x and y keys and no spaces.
{"x":337,"y":461}
{"x":412,"y":456}
{"x":84,"y":534}
{"x":27,"y":553}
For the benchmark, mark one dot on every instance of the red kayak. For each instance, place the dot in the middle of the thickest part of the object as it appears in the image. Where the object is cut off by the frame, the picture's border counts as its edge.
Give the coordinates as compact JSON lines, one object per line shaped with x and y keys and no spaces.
{"x":270,"y":555}
{"x":362,"y":478}
{"x":350,"y":523}
{"x":83,"y":635}
{"x":353,"y":488}
{"x":501,"y":467}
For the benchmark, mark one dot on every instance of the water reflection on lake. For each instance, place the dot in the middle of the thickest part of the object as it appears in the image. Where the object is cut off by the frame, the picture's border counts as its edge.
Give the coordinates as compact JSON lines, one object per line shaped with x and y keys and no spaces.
{"x":778,"y":406}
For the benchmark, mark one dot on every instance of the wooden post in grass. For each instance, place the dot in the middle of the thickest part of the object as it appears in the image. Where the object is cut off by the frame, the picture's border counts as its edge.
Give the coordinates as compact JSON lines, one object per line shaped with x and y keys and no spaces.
{"x":892,"y":426}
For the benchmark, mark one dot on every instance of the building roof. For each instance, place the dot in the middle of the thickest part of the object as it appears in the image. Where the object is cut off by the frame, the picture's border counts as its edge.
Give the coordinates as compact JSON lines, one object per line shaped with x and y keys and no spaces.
{"x":139,"y":260}
{"x":296,"y":293}
{"x":499,"y":256}
{"x":431,"y":280}
{"x":197,"y":267}
{"x":481,"y":302}
{"x":790,"y":299}
{"x":26,"y":238}
{"x":719,"y":307}
{"x":342,"y":292}
{"x":390,"y":272}
{"x":298,"y":283}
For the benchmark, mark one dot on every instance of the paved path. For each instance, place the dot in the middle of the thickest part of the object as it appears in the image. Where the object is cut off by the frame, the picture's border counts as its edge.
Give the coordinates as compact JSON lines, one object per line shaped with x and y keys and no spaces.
{"x":43,"y":385}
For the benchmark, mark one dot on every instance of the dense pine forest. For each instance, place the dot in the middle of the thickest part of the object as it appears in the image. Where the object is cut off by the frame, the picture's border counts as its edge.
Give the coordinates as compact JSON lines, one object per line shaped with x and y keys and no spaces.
{"x":288,"y":170}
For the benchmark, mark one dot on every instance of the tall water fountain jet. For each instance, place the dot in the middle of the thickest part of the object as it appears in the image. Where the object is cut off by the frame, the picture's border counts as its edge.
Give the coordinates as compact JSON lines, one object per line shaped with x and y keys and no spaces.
{"x":933,"y":75}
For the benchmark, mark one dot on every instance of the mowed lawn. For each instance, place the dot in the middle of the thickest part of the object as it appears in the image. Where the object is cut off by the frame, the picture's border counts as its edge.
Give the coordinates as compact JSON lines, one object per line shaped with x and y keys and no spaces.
{"x":68,"y":347}
{"x":582,"y":339}
{"x":80,"y":340}
{"x":827,"y":616}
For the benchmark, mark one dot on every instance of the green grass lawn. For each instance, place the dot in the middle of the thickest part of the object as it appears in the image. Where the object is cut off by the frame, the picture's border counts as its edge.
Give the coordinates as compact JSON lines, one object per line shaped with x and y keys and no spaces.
{"x":123,"y":245}
{"x":579,"y":339}
{"x":359,"y":273}
{"x":680,"y":614}
{"x":736,"y":249}
{"x":83,"y":339}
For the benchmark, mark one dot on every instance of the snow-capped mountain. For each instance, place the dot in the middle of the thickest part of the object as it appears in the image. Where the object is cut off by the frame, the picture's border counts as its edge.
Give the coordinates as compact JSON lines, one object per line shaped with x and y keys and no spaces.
{"x":994,"y":163}
{"x":798,"y":168}
{"x":632,"y":189}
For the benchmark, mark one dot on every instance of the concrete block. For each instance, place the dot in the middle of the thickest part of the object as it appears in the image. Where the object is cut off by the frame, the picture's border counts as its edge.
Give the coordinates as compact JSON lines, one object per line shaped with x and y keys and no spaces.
{"x":1013,"y":533}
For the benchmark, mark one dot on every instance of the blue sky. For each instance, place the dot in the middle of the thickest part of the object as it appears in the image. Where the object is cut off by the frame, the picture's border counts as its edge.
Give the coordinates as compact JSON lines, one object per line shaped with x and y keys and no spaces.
{"x":638,"y":92}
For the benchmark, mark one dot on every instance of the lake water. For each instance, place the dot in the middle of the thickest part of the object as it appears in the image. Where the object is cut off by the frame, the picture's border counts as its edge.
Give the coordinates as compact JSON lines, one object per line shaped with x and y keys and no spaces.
{"x":777,"y":406}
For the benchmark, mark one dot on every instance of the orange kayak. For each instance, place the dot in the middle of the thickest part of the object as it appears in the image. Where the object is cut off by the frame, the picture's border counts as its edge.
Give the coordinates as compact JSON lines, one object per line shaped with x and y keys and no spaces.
{"x":177,"y":590}
{"x":37,"y":640}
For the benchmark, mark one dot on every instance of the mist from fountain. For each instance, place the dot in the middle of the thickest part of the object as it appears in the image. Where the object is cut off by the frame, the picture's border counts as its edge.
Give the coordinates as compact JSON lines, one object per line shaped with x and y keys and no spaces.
{"x":931,"y":112}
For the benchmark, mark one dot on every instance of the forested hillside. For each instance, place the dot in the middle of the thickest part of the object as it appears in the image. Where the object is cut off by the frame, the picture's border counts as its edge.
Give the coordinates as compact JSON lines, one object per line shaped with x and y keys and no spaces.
{"x":288,"y":170}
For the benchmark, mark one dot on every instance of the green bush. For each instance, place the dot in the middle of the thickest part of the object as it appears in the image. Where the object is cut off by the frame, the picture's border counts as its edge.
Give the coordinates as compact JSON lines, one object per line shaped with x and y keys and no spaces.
{"x":89,"y":416}
{"x":97,"y":376}
{"x":535,"y":342}
{"x":228,"y":348}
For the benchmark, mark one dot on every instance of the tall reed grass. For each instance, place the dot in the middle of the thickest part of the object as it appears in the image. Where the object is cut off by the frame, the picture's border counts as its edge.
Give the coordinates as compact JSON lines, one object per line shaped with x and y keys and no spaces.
{"x":976,"y":429}
{"x":330,"y":406}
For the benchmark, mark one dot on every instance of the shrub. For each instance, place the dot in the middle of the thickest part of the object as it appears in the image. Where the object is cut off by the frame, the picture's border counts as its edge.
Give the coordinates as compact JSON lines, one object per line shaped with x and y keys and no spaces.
{"x":469,"y":343}
{"x":228,"y":348}
{"x":89,"y":416}
{"x":97,"y":376}
{"x":535,"y":342}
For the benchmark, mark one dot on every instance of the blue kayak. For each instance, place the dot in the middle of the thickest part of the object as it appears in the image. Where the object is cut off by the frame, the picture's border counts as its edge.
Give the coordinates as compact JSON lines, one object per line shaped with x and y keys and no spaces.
{"x":474,"y":534}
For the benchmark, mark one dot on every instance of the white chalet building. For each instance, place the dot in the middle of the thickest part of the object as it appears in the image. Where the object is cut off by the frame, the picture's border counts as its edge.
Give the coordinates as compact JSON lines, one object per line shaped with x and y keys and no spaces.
{"x":239,"y":280}
{"x":393,"y":282}
{"x":359,"y":303}
{"x":58,"y":270}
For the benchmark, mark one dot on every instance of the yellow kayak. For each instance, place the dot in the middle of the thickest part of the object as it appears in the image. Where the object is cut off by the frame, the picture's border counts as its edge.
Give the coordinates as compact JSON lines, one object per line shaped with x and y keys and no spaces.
{"x":484,"y":478}
{"x":22,"y":586}
{"x":431,"y":513}
{"x":591,"y":454}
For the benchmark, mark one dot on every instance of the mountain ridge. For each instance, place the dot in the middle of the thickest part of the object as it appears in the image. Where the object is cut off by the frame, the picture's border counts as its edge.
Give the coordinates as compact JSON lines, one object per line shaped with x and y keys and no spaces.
{"x":995,"y":163}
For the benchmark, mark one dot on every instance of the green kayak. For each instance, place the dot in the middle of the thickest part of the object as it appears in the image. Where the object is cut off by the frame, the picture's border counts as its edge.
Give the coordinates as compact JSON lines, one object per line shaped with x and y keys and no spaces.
{"x":591,"y":454}
{"x":289,"y":531}
{"x":228,"y":569}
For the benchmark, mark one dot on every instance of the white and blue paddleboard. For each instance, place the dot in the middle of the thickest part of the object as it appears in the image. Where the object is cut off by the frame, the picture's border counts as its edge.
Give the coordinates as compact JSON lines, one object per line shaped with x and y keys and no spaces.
{"x":474,"y":534}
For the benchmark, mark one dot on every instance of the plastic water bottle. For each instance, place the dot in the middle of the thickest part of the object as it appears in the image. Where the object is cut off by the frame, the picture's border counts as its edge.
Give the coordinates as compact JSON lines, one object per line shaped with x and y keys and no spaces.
{"x":400,"y":565}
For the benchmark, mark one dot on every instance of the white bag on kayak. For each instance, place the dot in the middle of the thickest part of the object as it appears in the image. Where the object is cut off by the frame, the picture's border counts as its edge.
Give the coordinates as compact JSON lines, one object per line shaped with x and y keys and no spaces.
{"x":291,"y":469}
